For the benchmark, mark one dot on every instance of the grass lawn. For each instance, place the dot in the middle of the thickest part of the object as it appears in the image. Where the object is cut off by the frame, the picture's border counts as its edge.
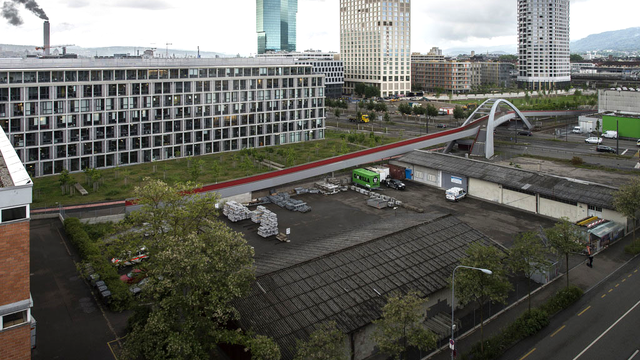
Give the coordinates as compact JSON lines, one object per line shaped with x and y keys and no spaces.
{"x":119,"y":183}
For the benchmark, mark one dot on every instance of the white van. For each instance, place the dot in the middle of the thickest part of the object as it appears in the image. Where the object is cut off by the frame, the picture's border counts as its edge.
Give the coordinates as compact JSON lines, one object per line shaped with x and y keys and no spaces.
{"x":455,"y":194}
{"x":610,"y":134}
{"x":576,"y":130}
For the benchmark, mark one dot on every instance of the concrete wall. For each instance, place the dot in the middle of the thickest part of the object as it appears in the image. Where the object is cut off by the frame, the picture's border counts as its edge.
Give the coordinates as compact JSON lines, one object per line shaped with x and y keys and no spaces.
{"x":519,"y":200}
{"x":425,"y":175}
{"x":557,"y":210}
{"x":454,"y":180}
{"x":485,"y":190}
{"x":614,"y":100}
{"x":615,"y":216}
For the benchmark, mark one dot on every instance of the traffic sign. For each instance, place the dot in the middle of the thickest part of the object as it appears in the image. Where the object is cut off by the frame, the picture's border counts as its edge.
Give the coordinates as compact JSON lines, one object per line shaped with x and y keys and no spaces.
{"x":452,"y":344}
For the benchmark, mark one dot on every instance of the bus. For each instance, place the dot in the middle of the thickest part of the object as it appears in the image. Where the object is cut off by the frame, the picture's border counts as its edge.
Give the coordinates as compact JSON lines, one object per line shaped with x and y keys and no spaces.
{"x":365,"y":178}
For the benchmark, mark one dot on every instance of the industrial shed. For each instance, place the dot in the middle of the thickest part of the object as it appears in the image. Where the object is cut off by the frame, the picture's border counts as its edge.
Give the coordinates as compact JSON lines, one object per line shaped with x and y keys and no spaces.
{"x":346,"y":278}
{"x":542,"y":194}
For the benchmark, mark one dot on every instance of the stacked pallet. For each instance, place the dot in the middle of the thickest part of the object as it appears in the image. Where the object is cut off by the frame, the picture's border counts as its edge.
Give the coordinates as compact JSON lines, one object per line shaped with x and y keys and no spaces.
{"x":256,"y":215}
{"x":327,"y":188}
{"x":268,"y":224}
{"x":235,"y":211}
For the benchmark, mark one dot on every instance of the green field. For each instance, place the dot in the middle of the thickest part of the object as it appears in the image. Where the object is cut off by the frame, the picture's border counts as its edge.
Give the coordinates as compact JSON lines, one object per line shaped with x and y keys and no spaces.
{"x":119,"y":183}
{"x":545,"y":102}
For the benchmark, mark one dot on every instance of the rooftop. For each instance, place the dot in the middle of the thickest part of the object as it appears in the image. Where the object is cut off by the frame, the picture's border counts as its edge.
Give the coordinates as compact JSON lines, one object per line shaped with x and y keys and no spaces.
{"x":549,"y":186}
{"x":350,"y":285}
{"x":12,"y":172}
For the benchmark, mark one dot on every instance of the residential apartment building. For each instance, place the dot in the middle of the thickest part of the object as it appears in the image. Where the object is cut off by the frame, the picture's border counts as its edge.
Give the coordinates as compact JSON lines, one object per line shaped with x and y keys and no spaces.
{"x":435,"y":54}
{"x":375,"y":44}
{"x":447,"y":76}
{"x":276,"y":25}
{"x":496,"y":74}
{"x":15,"y":293}
{"x":95,"y":113}
{"x":543,"y":44}
{"x":328,"y":64}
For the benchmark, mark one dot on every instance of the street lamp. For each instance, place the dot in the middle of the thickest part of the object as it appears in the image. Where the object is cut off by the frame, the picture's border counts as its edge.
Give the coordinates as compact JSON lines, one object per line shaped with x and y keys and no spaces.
{"x":453,"y":305}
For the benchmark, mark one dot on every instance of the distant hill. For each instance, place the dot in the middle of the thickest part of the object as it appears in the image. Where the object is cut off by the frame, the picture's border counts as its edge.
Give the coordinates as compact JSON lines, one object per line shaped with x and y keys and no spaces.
{"x":21,"y":50}
{"x":499,"y":50}
{"x":619,"y":40}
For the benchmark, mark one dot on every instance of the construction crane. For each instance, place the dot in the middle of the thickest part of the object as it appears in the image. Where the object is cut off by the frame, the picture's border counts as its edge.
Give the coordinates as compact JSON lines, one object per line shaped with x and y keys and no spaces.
{"x":64,"y":47}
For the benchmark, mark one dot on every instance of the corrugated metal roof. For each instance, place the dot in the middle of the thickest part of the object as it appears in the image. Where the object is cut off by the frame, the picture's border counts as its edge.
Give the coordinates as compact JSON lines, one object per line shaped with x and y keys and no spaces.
{"x":549,"y":186}
{"x":350,"y":285}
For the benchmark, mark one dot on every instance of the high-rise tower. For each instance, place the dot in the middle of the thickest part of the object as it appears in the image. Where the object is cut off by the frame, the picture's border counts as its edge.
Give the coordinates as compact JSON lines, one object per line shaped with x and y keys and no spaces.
{"x":543,"y":44}
{"x":375,"y":44}
{"x":276,"y":25}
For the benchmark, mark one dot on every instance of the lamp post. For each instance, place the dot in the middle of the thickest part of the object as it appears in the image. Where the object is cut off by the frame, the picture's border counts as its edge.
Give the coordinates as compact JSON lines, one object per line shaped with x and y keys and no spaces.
{"x":453,"y":305}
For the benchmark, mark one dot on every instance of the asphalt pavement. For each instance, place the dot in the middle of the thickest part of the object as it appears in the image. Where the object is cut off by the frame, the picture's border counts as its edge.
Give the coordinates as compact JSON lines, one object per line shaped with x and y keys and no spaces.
{"x":71,"y":324}
{"x":610,"y":267}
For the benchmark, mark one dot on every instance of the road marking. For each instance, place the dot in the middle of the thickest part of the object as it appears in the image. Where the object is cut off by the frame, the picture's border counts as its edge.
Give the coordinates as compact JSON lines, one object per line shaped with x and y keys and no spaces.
{"x":634,"y":354}
{"x":635,"y":271}
{"x":623,"y":280}
{"x":582,"y":312}
{"x":610,"y":290}
{"x":629,"y":275}
{"x":606,"y":331}
{"x":562,"y":327}
{"x":603,"y":295}
{"x":617,"y":285}
{"x":529,"y":353}
{"x":624,"y":152}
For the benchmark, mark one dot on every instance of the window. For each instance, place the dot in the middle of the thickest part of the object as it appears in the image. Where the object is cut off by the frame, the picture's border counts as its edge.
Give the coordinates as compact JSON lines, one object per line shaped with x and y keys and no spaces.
{"x":14,"y":214}
{"x":14,"y":319}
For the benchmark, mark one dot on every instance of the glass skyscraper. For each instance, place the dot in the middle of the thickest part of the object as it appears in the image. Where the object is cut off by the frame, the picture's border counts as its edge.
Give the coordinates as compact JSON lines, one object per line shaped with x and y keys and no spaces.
{"x":276,"y":25}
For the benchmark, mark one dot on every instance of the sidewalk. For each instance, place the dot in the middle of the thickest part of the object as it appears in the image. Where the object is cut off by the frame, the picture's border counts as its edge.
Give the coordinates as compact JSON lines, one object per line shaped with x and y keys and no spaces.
{"x":605,"y":262}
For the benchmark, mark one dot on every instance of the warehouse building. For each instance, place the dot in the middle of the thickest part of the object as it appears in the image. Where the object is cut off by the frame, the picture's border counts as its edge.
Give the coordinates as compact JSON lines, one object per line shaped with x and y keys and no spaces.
{"x":96,"y":113}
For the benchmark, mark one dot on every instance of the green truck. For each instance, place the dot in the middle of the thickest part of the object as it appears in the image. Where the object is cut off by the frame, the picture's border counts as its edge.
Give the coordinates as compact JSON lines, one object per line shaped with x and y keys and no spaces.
{"x":365,"y":178}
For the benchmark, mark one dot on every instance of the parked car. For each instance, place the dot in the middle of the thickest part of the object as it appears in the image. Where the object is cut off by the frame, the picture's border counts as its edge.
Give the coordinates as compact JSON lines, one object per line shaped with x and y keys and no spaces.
{"x":455,"y":194}
{"x":525,"y":133}
{"x":396,"y":184}
{"x":638,"y":142}
{"x":593,"y":140}
{"x":603,"y":148}
{"x":576,"y":130}
{"x":134,"y":276}
{"x":610,"y":134}
{"x":442,"y":126}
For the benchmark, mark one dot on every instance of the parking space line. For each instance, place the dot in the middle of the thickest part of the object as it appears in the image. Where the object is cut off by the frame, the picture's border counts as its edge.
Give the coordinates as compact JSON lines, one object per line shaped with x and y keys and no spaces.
{"x":623,"y":280}
{"x":111,"y":349}
{"x":634,"y":354}
{"x":617,"y":285}
{"x":562,"y":327}
{"x":603,"y":295}
{"x":610,"y":290}
{"x":582,"y":312}
{"x":629,"y":275}
{"x":527,"y":354}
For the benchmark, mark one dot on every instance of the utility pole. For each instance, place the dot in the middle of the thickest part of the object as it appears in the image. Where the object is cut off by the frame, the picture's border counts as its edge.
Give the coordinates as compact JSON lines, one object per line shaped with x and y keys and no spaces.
{"x":617,"y":139}
{"x":167,"y":53}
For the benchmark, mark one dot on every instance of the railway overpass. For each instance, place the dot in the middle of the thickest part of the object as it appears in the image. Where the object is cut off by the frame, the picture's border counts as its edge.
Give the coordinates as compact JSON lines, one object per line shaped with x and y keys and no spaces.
{"x":486,"y":117}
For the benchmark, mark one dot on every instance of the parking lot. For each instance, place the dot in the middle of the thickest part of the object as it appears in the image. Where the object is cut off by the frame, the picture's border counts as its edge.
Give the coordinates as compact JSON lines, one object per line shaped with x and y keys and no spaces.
{"x":71,"y":324}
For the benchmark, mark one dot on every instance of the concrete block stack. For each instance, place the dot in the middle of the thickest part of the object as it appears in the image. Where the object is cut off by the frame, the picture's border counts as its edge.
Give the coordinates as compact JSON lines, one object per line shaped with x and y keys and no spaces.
{"x":268,"y":224}
{"x":235,"y":211}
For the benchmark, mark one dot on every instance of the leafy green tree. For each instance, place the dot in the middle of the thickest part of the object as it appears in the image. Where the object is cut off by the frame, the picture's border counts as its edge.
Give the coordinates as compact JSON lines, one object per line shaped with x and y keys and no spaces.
{"x":597,"y":126}
{"x":380,"y":106}
{"x":627,"y":201}
{"x":96,"y":176}
{"x":327,"y":342}
{"x":564,"y":237}
{"x":387,"y":118}
{"x":292,"y":155}
{"x":196,"y":170}
{"x":575,"y":58}
{"x":337,"y":113}
{"x":359,"y":89}
{"x":361,"y":105}
{"x":371,"y":105}
{"x":458,"y":112}
{"x":528,"y":256}
{"x":197,"y":266}
{"x":216,"y":169}
{"x":432,"y":111}
{"x":404,"y":109}
{"x":371,"y":91}
{"x":401,"y":325}
{"x":478,"y":287}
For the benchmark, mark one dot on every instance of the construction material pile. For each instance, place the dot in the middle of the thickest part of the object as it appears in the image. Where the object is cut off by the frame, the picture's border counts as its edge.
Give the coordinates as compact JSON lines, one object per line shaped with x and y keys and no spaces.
{"x":285,"y":201}
{"x":327,"y":188}
{"x":268,"y":223}
{"x":235,"y":211}
{"x":377,"y":200}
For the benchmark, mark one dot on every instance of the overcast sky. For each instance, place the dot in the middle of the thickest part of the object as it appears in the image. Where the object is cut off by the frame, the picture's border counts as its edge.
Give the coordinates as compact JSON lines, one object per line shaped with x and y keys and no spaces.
{"x":228,"y":26}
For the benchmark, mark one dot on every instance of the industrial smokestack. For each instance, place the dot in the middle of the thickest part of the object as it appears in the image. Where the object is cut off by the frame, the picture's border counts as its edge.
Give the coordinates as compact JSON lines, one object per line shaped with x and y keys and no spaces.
{"x":47,"y":39}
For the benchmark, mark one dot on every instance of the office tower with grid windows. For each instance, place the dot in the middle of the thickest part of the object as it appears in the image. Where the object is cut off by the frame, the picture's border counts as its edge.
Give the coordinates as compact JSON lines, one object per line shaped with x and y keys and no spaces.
{"x":75,"y":114}
{"x":276,"y":25}
{"x":543,"y":44}
{"x":375,"y":44}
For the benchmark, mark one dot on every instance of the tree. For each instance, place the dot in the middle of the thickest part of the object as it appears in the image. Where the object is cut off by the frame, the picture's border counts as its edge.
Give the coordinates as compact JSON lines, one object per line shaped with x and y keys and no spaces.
{"x":196,"y":267}
{"x":371,"y":91}
{"x":527,"y":255}
{"x":476,"y":286}
{"x":404,"y":109}
{"x":216,"y":169}
{"x":371,"y":105}
{"x":575,"y":58}
{"x":327,"y":342}
{"x":431,"y":110}
{"x":380,"y":106}
{"x":627,"y":201}
{"x":359,"y":89}
{"x":337,"y":113}
{"x":387,"y":118}
{"x":361,"y":105}
{"x":564,"y":238}
{"x":196,"y":170}
{"x":401,"y":326}
{"x":597,"y":126}
{"x":458,"y":112}
{"x":65,"y":180}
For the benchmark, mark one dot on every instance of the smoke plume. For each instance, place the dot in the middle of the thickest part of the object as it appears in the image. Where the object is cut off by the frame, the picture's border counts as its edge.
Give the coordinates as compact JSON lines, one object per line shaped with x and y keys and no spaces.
{"x":10,"y":12}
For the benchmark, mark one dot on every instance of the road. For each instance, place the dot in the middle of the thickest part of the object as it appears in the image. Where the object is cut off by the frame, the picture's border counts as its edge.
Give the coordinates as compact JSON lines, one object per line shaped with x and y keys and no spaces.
{"x":601,"y":325}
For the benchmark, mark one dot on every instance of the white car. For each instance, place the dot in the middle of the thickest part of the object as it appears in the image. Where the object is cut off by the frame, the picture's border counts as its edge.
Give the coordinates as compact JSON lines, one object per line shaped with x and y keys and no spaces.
{"x":593,"y":140}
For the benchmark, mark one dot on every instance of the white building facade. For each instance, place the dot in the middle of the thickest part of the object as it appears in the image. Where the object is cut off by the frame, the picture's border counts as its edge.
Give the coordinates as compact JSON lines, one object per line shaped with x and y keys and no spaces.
{"x":543,"y":44}
{"x":96,"y":113}
{"x":375,"y":44}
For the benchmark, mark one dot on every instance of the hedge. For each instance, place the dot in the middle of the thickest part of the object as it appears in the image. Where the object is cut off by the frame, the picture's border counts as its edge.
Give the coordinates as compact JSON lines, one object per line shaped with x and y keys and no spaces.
{"x":90,"y":254}
{"x":529,"y":323}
